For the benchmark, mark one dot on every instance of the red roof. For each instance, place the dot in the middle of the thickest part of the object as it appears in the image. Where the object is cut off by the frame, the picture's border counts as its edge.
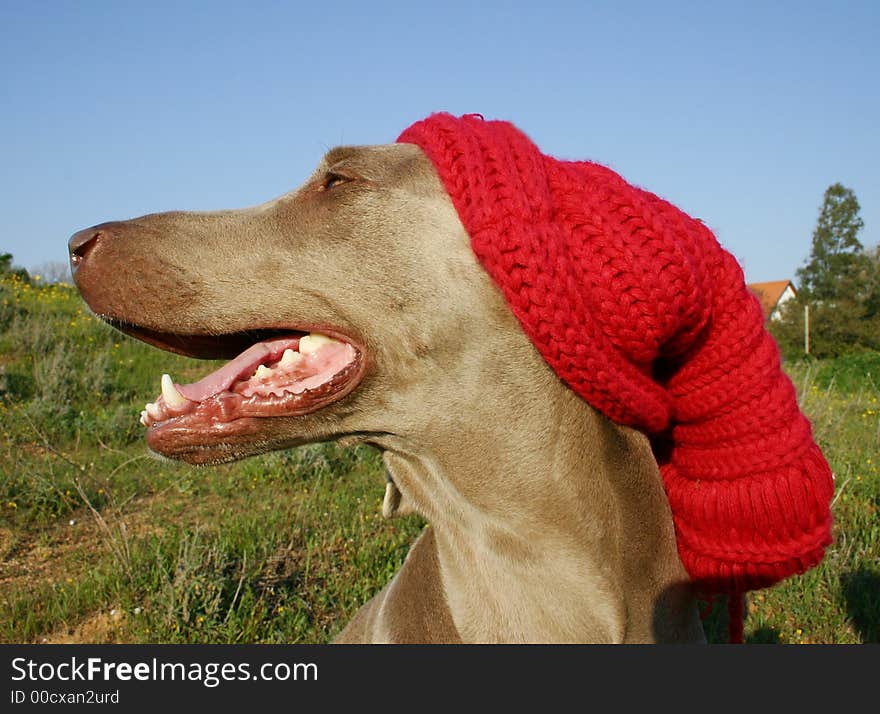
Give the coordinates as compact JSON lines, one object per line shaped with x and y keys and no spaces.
{"x":769,"y":293}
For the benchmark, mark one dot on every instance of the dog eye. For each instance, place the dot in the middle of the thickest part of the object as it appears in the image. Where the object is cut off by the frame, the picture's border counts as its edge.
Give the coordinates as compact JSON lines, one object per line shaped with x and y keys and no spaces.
{"x":332,"y":180}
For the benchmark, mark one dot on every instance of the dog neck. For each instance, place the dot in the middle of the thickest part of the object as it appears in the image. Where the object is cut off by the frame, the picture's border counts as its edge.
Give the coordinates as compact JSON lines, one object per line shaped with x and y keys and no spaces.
{"x":551,"y":524}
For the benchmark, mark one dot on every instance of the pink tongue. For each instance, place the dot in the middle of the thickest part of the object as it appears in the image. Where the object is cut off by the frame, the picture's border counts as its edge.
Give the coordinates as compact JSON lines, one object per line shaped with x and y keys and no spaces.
{"x":245,"y":363}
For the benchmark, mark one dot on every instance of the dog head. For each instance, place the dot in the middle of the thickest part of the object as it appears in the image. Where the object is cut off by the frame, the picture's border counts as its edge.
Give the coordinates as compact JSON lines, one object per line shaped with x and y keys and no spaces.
{"x":350,"y":306}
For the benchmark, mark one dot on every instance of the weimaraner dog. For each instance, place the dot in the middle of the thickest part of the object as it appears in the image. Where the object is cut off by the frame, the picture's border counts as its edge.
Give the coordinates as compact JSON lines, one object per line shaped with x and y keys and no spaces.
{"x":355,"y":310}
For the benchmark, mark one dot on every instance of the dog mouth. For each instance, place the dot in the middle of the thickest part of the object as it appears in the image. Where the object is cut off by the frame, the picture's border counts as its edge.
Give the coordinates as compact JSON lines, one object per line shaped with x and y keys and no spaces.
{"x":286,"y":374}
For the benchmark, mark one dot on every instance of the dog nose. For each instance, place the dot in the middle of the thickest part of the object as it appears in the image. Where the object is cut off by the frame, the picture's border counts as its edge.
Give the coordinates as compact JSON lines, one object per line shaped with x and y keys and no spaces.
{"x":82,"y":242}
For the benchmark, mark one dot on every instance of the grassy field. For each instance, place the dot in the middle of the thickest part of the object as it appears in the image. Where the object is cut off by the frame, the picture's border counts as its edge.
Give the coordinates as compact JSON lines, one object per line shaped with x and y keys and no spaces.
{"x":101,"y":543}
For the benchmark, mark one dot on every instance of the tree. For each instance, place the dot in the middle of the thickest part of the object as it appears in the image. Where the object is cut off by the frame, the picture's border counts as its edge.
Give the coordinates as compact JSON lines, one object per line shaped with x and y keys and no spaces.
{"x":840,"y":282}
{"x":7,"y":268}
{"x":837,"y":267}
{"x":872,"y":299}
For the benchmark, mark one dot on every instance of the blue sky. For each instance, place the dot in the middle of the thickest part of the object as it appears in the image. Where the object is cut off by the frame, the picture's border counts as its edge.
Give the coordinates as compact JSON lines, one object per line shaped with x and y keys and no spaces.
{"x":740,"y":113}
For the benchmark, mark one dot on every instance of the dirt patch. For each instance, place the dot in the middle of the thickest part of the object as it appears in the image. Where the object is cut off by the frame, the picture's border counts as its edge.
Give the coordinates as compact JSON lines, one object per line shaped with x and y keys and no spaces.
{"x":77,"y":542}
{"x":7,"y":542}
{"x":47,"y":556}
{"x":61,"y":551}
{"x":101,"y":628}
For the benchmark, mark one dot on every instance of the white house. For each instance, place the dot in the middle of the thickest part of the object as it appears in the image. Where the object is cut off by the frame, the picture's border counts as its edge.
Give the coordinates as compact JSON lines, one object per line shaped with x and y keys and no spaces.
{"x":773,"y":295}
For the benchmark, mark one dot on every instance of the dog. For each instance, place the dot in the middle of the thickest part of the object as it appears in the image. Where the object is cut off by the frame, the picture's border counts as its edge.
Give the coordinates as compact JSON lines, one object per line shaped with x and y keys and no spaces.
{"x":353,"y":309}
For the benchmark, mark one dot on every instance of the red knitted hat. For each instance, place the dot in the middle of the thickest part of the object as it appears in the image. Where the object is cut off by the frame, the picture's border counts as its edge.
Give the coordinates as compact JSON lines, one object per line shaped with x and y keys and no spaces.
{"x":640,"y":311}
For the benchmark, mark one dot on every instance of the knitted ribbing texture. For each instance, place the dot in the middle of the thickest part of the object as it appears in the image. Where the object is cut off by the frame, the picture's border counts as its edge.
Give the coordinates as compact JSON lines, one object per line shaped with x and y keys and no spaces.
{"x":639,"y":310}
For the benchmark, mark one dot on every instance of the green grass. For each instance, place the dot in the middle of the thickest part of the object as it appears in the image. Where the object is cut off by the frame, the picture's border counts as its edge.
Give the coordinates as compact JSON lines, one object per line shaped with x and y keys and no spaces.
{"x":99,"y":542}
{"x":279,"y":548}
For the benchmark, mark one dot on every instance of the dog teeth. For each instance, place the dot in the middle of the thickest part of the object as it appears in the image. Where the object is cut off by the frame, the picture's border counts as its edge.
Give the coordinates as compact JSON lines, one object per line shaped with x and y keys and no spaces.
{"x":263,"y":372}
{"x":290,"y":359}
{"x":143,"y":418}
{"x":173,"y":398}
{"x":313,"y":341}
{"x":153,"y":411}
